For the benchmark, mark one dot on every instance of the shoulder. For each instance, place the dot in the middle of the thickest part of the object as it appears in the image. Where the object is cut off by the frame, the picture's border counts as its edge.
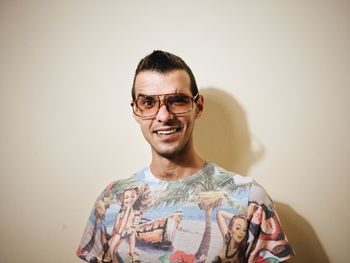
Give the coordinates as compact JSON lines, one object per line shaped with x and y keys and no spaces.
{"x":259,"y":195}
{"x":215,"y":170}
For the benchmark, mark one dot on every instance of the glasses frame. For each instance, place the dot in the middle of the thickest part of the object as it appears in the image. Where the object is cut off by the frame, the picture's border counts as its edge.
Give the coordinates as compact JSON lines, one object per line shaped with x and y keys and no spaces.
{"x":133,"y":103}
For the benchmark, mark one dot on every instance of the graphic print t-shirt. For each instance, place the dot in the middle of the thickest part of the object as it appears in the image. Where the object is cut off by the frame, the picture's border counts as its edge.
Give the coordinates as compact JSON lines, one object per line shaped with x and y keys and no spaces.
{"x":211,"y":216}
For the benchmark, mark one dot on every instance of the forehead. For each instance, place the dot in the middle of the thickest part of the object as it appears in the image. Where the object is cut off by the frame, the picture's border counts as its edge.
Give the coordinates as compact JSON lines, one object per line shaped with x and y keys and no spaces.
{"x":154,"y":83}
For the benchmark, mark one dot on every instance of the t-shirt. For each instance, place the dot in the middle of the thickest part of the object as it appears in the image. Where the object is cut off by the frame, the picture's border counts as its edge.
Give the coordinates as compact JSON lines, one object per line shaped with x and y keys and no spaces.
{"x":212,"y":216}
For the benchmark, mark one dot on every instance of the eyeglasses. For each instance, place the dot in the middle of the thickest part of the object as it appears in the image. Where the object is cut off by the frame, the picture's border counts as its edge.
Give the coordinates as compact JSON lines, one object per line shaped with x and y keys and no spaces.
{"x":147,"y":106}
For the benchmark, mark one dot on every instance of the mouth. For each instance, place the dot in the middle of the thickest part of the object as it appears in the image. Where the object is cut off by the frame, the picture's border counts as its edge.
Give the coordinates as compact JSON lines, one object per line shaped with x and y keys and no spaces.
{"x":167,"y":131}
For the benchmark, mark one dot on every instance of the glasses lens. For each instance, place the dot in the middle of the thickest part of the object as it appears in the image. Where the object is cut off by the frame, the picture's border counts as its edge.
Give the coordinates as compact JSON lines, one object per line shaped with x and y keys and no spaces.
{"x":179,"y":103}
{"x":146,"y":106}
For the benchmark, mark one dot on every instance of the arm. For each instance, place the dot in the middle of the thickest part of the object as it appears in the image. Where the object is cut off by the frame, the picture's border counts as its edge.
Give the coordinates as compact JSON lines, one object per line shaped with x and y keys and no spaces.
{"x":266,"y":237}
{"x":221,"y":218}
{"x":116,"y":224}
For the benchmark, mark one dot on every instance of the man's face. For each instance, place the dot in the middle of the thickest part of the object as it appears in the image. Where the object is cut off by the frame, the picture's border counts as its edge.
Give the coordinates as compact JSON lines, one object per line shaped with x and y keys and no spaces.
{"x":167,"y":133}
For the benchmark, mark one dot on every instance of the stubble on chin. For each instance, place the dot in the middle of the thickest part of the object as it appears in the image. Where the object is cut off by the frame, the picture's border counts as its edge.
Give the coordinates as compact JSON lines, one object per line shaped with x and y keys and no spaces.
{"x":168,"y":154}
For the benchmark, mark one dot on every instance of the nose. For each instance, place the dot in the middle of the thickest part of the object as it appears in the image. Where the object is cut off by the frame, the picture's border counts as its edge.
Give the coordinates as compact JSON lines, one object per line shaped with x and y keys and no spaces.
{"x":163,"y":114}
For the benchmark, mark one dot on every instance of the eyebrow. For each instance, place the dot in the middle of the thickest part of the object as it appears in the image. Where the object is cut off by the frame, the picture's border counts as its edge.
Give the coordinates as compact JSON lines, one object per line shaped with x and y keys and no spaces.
{"x":163,"y":94}
{"x":141,"y":94}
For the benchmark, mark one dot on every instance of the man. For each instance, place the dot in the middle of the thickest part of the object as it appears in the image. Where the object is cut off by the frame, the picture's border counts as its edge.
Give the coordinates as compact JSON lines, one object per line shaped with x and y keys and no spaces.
{"x":180,"y":208}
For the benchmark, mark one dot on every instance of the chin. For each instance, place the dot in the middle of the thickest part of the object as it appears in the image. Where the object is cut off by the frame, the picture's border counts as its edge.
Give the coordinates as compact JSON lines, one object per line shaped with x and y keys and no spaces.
{"x":169,"y":154}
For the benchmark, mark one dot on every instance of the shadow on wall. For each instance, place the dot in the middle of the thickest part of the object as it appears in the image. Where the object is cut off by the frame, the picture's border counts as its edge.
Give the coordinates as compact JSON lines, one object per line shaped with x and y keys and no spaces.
{"x":222,"y":135}
{"x":301,"y":235}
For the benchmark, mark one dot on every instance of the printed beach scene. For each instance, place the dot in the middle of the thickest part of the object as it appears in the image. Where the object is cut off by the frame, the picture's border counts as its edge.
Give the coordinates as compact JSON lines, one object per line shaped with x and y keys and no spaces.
{"x":187,"y":239}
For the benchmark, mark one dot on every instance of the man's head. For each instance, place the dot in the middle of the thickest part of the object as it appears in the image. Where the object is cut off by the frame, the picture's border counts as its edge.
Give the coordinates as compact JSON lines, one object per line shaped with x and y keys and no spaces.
{"x":163,"y":62}
{"x":166,"y":103}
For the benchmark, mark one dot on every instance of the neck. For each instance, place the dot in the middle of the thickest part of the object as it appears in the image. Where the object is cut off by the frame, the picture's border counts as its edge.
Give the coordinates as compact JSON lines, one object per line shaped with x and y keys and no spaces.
{"x":177,"y":167}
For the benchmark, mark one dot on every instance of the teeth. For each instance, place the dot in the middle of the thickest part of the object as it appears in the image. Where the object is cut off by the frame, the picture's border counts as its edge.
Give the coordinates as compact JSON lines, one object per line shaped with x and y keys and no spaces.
{"x":167,"y":131}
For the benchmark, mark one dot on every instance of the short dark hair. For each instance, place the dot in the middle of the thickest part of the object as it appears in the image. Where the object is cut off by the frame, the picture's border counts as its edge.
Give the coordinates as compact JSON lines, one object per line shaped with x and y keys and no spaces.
{"x":163,"y":62}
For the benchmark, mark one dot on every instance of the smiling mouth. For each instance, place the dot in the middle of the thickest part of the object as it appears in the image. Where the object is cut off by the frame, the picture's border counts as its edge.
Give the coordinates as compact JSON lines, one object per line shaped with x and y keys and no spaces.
{"x":167,"y":132}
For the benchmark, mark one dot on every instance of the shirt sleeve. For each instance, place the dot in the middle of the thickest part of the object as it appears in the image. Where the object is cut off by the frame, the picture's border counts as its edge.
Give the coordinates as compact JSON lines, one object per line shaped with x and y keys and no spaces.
{"x":266,"y":240}
{"x":93,"y":244}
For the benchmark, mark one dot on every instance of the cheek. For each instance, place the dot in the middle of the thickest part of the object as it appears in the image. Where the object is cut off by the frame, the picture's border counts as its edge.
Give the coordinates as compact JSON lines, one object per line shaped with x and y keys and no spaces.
{"x":145,"y":128}
{"x":187,"y":122}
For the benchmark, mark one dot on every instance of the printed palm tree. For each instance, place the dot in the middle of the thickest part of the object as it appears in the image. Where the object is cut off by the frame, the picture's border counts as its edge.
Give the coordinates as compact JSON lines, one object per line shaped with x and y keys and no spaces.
{"x":120,"y":185}
{"x":207,"y":190}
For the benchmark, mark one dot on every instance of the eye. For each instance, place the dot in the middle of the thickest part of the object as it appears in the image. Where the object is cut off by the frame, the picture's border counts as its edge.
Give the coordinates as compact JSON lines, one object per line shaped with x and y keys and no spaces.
{"x":146,"y":102}
{"x":179,"y":100}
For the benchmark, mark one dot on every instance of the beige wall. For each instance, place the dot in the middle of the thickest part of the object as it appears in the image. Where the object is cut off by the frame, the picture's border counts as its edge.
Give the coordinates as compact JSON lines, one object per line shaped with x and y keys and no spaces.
{"x":276,"y":79}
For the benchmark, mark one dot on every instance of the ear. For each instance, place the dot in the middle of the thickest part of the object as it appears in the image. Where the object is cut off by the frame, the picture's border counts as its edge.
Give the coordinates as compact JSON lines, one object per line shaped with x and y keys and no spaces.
{"x":199,"y":106}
